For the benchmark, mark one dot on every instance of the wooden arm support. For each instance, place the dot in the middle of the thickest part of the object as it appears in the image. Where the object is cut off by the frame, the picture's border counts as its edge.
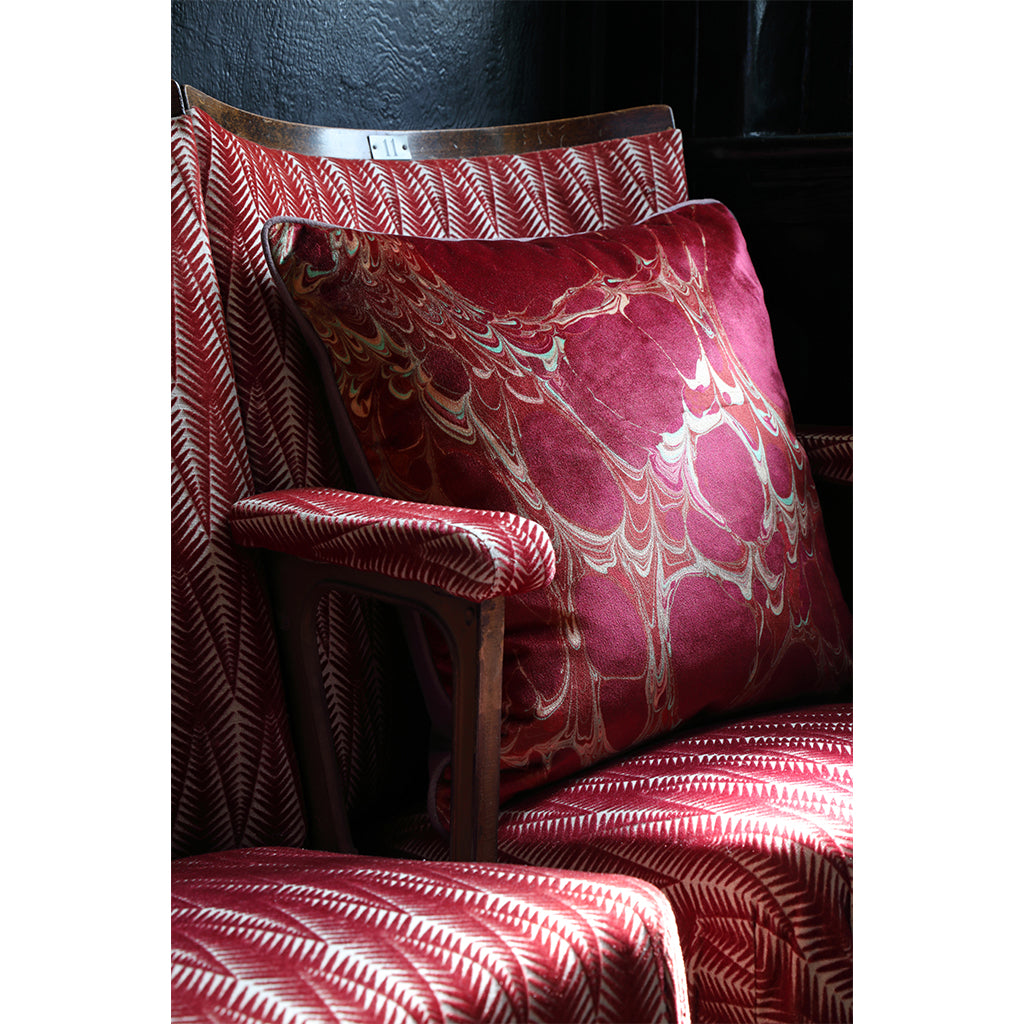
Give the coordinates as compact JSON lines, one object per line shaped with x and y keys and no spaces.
{"x":475,"y":634}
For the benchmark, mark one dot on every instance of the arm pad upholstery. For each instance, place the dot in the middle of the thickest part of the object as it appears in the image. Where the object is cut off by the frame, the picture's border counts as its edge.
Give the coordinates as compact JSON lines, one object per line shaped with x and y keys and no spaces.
{"x":472,"y":554}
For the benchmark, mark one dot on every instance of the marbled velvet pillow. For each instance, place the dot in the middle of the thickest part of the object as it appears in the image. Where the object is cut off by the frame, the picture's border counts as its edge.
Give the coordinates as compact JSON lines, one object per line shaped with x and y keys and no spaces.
{"x":620,"y":388}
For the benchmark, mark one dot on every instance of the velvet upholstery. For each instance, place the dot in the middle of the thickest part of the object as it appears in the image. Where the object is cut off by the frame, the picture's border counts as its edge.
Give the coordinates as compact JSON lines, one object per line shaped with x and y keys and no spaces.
{"x":748,"y":830}
{"x":620,"y":389}
{"x":253,"y":927}
{"x":746,"y":826}
{"x":471,"y":554}
{"x":271,"y":935}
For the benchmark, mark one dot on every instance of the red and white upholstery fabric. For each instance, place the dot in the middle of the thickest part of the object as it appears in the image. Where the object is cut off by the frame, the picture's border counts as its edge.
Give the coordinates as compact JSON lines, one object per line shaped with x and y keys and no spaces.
{"x":275,"y":935}
{"x":830,"y":452}
{"x":472,"y":554}
{"x":747,"y":827}
{"x":248,"y":418}
{"x":233,"y":776}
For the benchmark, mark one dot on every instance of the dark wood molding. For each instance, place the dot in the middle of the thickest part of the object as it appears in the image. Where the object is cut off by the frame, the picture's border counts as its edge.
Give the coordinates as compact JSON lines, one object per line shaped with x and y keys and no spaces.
{"x":355,"y":143}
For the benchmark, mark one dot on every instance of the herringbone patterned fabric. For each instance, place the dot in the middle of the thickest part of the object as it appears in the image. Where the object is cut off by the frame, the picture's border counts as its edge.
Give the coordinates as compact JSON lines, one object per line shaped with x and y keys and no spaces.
{"x":472,"y":554}
{"x":248,"y":418}
{"x":292,"y":935}
{"x":233,"y":779}
{"x":747,"y":827}
{"x":831,"y":454}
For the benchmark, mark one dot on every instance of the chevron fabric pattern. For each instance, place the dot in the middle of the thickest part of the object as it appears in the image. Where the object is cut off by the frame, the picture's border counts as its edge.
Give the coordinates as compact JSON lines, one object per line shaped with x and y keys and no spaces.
{"x":233,"y":778}
{"x":746,"y":827}
{"x":292,"y":935}
{"x":831,"y":454}
{"x":601,"y":185}
{"x":471,"y":554}
{"x":247,"y":419}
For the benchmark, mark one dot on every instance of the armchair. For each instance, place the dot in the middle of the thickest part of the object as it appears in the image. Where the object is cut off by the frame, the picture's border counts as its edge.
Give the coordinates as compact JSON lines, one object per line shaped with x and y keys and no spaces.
{"x":742,"y":820}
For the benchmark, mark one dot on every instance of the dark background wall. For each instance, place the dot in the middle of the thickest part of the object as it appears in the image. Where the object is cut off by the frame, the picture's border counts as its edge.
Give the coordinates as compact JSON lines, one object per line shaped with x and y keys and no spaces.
{"x":727,"y":67}
{"x":761,"y":89}
{"x":369,"y":63}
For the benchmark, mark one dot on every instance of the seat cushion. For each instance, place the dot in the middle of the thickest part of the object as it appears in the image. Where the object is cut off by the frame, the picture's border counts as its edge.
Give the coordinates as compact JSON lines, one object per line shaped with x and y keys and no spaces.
{"x":747,"y":827}
{"x":265,"y":935}
{"x":619,"y":388}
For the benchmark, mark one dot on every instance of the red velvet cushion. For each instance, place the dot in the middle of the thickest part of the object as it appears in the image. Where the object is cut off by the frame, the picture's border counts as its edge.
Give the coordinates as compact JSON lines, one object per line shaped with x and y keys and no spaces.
{"x":620,"y":388}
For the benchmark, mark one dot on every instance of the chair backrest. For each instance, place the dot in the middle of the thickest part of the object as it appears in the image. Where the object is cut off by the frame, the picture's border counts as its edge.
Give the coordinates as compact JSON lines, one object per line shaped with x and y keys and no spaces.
{"x":434,"y":144}
{"x":248,"y":416}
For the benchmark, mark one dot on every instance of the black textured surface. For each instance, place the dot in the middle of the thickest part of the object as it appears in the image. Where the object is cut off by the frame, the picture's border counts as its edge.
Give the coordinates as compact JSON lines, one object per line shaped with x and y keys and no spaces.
{"x":727,"y":67}
{"x":369,"y":63}
{"x":792,"y":197}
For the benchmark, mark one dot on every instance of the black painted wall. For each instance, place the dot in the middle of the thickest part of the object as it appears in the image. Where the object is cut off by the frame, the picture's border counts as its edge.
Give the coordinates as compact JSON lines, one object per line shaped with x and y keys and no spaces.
{"x":368,"y":63}
{"x":727,"y":67}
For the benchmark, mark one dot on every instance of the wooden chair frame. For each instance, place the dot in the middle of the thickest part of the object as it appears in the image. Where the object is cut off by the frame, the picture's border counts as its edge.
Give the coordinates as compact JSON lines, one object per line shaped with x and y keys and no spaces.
{"x":439,"y":144}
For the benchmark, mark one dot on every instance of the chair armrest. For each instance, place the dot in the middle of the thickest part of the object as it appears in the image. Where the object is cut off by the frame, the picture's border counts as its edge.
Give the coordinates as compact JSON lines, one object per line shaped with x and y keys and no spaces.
{"x":470,"y":554}
{"x":456,"y":565}
{"x":830,"y":450}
